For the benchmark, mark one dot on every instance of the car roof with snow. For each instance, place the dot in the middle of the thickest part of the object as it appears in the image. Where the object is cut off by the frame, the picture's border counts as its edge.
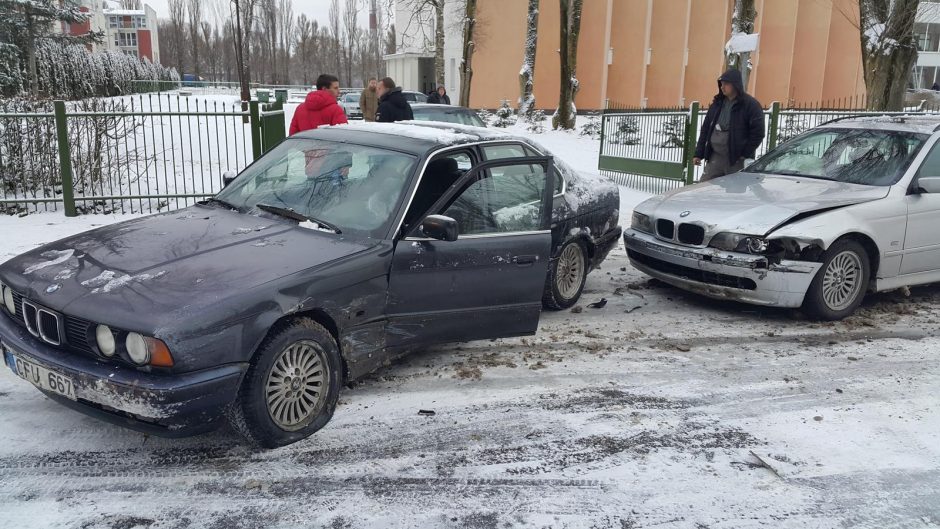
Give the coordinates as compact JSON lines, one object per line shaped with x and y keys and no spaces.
{"x":417,"y":137}
{"x":917,"y":123}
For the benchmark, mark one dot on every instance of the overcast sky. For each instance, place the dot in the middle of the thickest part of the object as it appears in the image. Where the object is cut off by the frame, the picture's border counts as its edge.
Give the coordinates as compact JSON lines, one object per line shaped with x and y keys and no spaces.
{"x":314,"y":9}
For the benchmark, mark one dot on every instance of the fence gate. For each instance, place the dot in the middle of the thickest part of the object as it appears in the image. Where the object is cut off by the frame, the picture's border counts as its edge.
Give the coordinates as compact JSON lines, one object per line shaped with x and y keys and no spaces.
{"x":651,"y":151}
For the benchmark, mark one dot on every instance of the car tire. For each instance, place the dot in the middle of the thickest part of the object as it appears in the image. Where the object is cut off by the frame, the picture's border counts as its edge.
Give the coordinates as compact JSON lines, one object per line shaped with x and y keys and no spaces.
{"x":567,"y":274}
{"x":841,"y":283}
{"x":299,"y":362}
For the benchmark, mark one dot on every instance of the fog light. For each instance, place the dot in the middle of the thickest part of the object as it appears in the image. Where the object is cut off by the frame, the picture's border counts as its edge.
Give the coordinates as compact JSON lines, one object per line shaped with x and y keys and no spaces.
{"x":137,"y":348}
{"x":105,"y":339}
{"x":8,"y":298}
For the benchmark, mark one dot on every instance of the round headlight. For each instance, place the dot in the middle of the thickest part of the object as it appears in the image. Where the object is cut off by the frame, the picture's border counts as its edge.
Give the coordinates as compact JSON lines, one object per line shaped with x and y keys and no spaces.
{"x":137,"y":348}
{"x":756,"y":245}
{"x":105,"y":339}
{"x":8,"y":299}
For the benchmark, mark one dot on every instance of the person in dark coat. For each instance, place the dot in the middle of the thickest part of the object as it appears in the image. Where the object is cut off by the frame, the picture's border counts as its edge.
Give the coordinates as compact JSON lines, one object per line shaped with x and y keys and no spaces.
{"x":732,"y":131}
{"x":320,"y":108}
{"x":440,"y":97}
{"x":392,"y":103}
{"x":935,"y":87}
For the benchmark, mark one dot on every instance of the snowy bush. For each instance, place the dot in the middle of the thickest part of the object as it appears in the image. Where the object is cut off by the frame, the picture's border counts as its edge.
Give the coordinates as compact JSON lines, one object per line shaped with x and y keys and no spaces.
{"x":673,"y":132}
{"x":626,"y":132}
{"x":535,"y":122}
{"x":505,"y":116}
{"x":102,"y":156}
{"x":592,"y":128}
{"x":486,"y":116}
{"x":791,"y":127}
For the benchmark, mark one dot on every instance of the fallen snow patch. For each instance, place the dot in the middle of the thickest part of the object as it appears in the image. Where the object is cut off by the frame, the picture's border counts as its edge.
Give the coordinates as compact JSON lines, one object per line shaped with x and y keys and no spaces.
{"x":106,"y":281}
{"x":55,"y":257}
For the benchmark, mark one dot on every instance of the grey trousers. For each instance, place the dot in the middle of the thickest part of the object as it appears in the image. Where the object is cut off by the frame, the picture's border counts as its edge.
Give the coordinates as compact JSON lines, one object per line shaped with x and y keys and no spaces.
{"x":718,"y":163}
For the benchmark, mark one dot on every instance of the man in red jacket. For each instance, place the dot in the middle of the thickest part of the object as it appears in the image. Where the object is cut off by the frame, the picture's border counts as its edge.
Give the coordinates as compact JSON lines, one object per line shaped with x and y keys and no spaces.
{"x":320,"y":108}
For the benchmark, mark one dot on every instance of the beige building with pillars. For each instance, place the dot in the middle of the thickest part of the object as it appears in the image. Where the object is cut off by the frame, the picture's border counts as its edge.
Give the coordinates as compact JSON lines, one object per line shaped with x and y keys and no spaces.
{"x":664,"y":53}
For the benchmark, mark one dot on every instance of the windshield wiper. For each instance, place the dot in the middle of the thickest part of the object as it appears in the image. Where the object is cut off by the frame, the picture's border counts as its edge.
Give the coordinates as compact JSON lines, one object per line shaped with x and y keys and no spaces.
{"x":291,"y":214}
{"x":795,"y":173}
{"x":223,"y":203}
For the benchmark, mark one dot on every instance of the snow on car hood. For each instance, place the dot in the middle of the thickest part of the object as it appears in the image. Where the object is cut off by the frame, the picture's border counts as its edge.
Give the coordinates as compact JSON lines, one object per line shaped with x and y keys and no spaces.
{"x":755,"y":203}
{"x":190,"y":257}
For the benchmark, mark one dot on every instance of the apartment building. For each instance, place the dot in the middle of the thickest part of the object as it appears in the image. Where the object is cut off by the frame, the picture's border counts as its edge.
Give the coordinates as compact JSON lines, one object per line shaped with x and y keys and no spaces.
{"x":130,"y":31}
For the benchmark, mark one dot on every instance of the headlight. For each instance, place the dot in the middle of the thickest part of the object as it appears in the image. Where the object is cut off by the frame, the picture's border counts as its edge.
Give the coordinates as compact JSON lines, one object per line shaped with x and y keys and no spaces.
{"x":146,"y":350}
{"x":137,"y":348}
{"x":642,"y":223}
{"x":739,"y":242}
{"x":105,"y":339}
{"x":7,"y":293}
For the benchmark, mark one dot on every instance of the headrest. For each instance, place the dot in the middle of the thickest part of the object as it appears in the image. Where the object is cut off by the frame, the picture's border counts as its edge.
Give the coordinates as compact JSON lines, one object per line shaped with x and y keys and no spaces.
{"x":443,"y":166}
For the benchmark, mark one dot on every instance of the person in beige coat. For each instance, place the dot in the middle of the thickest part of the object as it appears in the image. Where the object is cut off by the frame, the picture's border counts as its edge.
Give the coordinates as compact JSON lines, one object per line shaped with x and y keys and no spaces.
{"x":369,"y":101}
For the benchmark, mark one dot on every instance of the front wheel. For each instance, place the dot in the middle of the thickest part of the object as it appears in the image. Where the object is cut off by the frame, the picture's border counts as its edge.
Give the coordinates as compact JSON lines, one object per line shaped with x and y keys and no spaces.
{"x":566,"y":276}
{"x":291,"y":387}
{"x":840,"y":285}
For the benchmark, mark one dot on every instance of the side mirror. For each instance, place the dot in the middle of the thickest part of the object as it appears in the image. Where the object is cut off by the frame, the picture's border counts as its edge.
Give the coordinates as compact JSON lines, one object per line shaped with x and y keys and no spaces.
{"x":228,"y":177}
{"x":439,"y":227}
{"x":928,"y":184}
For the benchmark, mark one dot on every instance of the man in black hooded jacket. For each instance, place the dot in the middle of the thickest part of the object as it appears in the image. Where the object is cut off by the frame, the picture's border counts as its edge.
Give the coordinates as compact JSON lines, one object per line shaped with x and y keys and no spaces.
{"x":392,"y":103}
{"x":732,"y":131}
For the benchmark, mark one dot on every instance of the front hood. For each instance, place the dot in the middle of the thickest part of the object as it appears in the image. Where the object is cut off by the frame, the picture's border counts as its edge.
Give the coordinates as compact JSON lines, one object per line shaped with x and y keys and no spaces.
{"x":755,"y":204}
{"x":163,"y":263}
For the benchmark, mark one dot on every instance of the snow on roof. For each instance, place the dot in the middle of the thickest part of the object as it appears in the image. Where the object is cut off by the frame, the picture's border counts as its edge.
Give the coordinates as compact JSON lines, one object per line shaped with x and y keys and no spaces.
{"x":124,"y":12}
{"x":925,"y":124}
{"x":415,"y":131}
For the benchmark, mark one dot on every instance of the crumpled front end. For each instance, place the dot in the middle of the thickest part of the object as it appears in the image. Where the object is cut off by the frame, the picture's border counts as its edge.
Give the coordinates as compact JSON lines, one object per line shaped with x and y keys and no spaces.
{"x":720,"y":274}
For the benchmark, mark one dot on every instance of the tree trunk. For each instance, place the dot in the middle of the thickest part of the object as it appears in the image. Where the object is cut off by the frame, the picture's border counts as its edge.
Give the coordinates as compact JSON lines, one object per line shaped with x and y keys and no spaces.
{"x":466,"y":72}
{"x":567,"y":113}
{"x":31,"y":55}
{"x":527,"y":72}
{"x":742,"y":22}
{"x":439,"y":43}
{"x":888,"y":50}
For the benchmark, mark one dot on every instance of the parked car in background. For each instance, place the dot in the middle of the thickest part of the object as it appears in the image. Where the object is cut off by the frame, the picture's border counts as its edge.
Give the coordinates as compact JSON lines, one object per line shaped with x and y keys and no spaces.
{"x":350,"y":105}
{"x":848,"y":208}
{"x":337,"y":251}
{"x":446,"y":114}
{"x":415,"y":97}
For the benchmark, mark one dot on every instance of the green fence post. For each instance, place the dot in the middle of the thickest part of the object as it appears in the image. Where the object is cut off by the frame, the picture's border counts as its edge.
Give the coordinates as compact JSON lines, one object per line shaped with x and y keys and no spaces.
{"x":65,"y":159}
{"x":691,"y":138}
{"x":255,"y":129}
{"x":774,"y":125}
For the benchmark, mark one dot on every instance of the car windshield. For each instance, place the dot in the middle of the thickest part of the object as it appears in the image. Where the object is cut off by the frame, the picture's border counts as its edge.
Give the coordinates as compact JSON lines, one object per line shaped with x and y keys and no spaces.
{"x":352,"y":98}
{"x":448,"y":115}
{"x":352,"y":187}
{"x":857,"y":156}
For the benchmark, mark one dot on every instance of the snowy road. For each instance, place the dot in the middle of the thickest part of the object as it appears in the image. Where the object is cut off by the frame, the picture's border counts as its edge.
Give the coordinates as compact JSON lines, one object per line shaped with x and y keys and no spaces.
{"x":661,"y":409}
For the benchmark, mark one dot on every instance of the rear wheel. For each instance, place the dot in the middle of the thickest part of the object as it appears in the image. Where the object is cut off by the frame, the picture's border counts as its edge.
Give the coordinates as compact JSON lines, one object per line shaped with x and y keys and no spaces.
{"x":291,"y":387}
{"x":566,"y":276}
{"x":840,"y":285}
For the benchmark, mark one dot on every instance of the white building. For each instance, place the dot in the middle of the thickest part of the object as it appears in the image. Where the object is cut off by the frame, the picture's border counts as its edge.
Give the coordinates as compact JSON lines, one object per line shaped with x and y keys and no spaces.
{"x":412,"y":66}
{"x":130,"y":31}
{"x":927,"y":32}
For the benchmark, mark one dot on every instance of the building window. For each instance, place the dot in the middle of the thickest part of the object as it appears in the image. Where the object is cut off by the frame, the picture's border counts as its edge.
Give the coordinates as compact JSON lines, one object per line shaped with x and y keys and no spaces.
{"x":128,"y":40}
{"x":927,"y":36}
{"x":140,"y":22}
{"x":113,"y":22}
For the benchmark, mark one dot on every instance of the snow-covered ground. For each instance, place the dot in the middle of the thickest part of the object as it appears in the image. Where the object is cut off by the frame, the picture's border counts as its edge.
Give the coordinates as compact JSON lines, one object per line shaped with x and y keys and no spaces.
{"x":661,"y":409}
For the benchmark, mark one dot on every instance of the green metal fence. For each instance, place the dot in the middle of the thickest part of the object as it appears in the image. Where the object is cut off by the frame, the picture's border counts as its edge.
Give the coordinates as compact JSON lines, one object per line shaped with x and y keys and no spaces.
{"x":653,"y":150}
{"x":137,"y":154}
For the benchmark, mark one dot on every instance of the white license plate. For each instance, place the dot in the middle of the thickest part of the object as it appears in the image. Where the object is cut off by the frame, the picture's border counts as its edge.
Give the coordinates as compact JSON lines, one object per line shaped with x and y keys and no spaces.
{"x":39,"y":375}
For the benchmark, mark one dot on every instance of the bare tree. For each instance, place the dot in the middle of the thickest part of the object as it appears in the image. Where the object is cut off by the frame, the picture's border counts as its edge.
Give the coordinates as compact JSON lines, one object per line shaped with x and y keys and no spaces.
{"x":305,"y":34}
{"x":286,"y":29}
{"x":527,"y":72}
{"x":351,"y":32}
{"x":422,"y":13}
{"x":469,"y":45}
{"x":334,"y":29}
{"x":195,"y":22}
{"x":243,"y":12}
{"x":178,"y":21}
{"x":889,"y":50}
{"x":567,"y":113}
{"x":742,"y":23}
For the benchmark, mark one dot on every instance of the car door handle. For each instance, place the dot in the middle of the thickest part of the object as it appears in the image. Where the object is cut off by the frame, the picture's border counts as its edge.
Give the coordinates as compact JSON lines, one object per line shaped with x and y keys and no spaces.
{"x":524,"y":260}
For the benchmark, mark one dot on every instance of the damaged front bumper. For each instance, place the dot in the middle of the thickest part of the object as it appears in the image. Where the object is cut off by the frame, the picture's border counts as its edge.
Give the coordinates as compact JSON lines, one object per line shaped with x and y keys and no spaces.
{"x":720,"y":274}
{"x":163,"y":404}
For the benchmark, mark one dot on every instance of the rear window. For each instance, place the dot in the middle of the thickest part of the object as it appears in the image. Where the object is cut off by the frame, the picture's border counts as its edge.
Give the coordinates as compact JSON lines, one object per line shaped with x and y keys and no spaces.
{"x":449,"y":115}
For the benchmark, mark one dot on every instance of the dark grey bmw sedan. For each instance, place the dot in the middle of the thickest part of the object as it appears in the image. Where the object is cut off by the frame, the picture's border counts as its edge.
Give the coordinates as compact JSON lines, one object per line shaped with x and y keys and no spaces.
{"x":336,"y":252}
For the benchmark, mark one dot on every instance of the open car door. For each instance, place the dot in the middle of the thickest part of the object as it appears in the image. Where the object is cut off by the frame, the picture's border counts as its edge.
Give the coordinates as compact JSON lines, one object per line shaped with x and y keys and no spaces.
{"x":475,"y":266}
